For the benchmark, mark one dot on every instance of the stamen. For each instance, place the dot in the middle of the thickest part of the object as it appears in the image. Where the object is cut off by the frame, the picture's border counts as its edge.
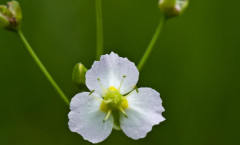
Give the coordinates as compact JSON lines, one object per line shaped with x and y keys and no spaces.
{"x":128,"y":94}
{"x":104,"y":89}
{"x":121,"y":83}
{"x":136,"y":89}
{"x":123,"y":112}
{"x":108,"y":114}
{"x":96,"y":98}
{"x":91,"y":92}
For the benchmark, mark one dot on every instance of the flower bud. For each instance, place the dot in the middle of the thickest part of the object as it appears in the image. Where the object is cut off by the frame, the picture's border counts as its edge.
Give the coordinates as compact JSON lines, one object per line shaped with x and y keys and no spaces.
{"x":78,"y":75}
{"x":173,"y":8}
{"x":11,"y":16}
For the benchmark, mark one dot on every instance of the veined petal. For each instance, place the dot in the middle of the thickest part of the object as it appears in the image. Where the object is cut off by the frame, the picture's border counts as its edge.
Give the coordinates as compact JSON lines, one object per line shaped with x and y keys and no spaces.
{"x":110,"y":71}
{"x":144,"y":111}
{"x":86,"y":118}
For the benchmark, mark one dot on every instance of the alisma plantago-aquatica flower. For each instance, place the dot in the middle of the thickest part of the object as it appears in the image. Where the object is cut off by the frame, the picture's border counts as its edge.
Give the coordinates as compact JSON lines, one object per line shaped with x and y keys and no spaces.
{"x":114,"y":103}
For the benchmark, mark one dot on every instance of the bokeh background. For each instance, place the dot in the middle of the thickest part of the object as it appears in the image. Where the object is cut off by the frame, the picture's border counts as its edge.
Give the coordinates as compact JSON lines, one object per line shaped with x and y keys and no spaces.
{"x":195,"y":67}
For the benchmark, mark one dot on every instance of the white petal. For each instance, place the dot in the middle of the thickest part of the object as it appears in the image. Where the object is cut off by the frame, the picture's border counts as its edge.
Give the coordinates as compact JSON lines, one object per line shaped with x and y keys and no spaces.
{"x":144,"y":111}
{"x":86,"y":118}
{"x":110,"y":70}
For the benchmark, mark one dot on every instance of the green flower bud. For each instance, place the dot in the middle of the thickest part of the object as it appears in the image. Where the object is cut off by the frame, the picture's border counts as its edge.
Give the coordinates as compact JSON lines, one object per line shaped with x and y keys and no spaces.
{"x":78,"y":75}
{"x":3,"y":21}
{"x":173,"y":8}
{"x":11,"y":16}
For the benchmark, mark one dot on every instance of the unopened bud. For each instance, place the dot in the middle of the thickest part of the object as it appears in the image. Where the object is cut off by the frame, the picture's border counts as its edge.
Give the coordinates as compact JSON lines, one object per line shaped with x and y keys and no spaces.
{"x":11,"y":16}
{"x":78,"y":75}
{"x":173,"y":8}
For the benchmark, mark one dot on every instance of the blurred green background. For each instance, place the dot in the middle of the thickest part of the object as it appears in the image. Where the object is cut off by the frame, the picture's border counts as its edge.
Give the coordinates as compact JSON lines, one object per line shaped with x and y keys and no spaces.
{"x":195,"y":67}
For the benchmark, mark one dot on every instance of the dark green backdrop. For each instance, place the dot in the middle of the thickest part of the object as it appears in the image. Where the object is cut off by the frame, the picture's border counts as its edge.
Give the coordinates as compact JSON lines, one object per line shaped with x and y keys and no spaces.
{"x":195,"y":67}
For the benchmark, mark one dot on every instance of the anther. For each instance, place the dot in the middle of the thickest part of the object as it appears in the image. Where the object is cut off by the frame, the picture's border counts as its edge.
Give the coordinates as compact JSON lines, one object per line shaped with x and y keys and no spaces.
{"x":91,"y":92}
{"x":108,"y":114}
{"x":136,"y":89}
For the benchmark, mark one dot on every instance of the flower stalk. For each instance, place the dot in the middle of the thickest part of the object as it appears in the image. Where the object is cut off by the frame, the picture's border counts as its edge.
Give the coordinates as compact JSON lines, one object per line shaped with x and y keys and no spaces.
{"x":42,"y":67}
{"x":151,"y":44}
{"x":99,"y":25}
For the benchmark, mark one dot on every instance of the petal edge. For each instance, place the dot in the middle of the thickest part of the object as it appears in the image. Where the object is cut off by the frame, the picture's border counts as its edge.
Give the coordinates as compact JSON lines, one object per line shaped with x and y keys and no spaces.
{"x":86,"y":119}
{"x":145,"y":111}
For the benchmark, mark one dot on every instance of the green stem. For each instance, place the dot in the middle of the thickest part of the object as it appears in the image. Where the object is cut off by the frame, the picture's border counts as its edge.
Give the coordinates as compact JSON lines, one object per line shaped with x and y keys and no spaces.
{"x":151,"y":44}
{"x":99,"y":28}
{"x":42,"y":67}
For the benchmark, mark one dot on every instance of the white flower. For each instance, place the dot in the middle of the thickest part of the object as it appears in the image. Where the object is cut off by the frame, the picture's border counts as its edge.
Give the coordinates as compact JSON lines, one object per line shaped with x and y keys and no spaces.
{"x":114,"y":103}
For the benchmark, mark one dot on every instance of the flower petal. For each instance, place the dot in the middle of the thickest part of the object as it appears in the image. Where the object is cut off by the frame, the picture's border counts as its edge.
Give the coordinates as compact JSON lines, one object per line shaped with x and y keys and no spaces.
{"x":86,"y":118}
{"x":144,"y":111}
{"x":110,"y":71}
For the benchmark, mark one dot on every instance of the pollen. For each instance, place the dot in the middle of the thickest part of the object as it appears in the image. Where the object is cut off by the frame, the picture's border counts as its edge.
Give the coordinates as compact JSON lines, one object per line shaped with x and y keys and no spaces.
{"x":124,"y":103}
{"x":113,"y":89}
{"x":104,"y":107}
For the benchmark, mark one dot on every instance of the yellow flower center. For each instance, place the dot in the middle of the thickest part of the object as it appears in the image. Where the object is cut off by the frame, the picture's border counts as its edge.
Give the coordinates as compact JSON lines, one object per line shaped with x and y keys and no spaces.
{"x":113,"y":103}
{"x":113,"y":100}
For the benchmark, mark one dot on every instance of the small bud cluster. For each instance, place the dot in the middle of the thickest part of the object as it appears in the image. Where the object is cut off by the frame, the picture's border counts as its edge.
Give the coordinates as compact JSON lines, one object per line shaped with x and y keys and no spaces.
{"x":173,"y":8}
{"x":11,"y":16}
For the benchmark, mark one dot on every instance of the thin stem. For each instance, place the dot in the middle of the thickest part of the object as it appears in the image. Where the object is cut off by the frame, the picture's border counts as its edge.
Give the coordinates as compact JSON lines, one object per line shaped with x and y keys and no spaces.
{"x":151,"y":44}
{"x":42,"y":67}
{"x":99,"y":28}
